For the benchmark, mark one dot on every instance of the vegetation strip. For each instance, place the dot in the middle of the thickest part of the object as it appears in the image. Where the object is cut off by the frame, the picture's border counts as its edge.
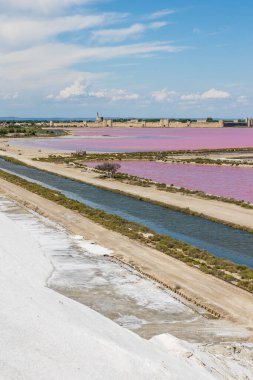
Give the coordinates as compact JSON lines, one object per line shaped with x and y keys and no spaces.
{"x":138,"y":155}
{"x":240,"y":162}
{"x":146,"y":183}
{"x":239,"y":275}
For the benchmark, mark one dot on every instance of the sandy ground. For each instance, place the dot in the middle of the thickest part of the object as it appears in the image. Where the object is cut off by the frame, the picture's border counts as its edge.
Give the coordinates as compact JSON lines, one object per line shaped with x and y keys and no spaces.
{"x":235,"y":304}
{"x":223,"y":211}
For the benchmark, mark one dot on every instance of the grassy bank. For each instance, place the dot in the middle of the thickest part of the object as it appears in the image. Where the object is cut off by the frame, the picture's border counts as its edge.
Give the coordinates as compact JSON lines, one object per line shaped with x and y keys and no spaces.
{"x":238,"y":275}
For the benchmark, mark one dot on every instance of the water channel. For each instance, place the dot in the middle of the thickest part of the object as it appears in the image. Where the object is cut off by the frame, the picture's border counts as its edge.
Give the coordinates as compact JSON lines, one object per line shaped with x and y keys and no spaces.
{"x":220,"y":240}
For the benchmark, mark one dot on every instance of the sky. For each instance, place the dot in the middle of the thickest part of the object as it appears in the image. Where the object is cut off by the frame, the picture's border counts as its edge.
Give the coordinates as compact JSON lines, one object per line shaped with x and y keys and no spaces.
{"x":135,"y":58}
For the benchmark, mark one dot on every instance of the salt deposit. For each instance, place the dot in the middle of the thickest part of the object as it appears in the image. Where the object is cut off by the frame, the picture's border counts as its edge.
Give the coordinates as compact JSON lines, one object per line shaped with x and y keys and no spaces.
{"x":82,"y":273}
{"x":45,"y":335}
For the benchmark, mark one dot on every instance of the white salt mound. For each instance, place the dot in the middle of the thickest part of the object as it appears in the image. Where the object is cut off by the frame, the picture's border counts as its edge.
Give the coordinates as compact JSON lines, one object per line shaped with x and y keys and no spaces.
{"x":44,"y":335}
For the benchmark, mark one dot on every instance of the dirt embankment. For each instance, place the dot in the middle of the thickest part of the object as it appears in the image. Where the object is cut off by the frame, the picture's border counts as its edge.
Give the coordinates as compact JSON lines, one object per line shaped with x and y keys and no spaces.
{"x":231,"y":302}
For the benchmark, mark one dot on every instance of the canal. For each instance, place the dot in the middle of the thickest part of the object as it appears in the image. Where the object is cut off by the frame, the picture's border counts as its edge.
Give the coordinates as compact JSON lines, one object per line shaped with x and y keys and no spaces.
{"x":221,"y":241}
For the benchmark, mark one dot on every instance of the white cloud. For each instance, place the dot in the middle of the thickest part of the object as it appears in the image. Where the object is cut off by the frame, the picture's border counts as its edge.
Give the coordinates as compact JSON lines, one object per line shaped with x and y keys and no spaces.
{"x":242,"y":99}
{"x":119,"y":94}
{"x":164,"y":95}
{"x":161,"y":13}
{"x":76,"y":89}
{"x":157,"y":24}
{"x":38,"y":71}
{"x":98,"y":94}
{"x":117,"y":35}
{"x":40,"y":60}
{"x":40,"y":54}
{"x":80,"y":88}
{"x":8,"y":96}
{"x":22,"y":31}
{"x":191,"y":97}
{"x":115,"y":94}
{"x":210,"y":94}
{"x":215,"y":94}
{"x":43,"y":6}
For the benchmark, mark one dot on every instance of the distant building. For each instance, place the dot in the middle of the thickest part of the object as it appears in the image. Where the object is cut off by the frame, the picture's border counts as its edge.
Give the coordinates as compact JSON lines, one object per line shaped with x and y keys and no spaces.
{"x":51,"y":123}
{"x":107,"y":123}
{"x":164,"y":123}
{"x":249,"y":122}
{"x":99,"y":119}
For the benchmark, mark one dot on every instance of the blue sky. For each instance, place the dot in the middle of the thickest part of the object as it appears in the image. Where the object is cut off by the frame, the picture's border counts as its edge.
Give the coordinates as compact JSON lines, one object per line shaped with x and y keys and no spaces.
{"x":164,"y":58}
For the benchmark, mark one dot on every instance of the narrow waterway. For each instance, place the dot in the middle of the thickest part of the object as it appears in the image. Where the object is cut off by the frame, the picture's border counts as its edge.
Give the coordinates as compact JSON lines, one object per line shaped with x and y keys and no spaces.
{"x":83,"y":273}
{"x":220,"y":240}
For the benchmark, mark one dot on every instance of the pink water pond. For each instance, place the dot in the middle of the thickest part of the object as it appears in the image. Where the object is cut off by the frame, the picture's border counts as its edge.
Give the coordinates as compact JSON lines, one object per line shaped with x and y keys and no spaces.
{"x":229,"y":182}
{"x":144,"y":139}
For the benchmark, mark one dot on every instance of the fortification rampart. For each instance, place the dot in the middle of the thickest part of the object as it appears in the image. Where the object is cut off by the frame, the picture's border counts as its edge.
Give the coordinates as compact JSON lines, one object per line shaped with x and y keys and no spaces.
{"x":141,"y":124}
{"x":163,"y":123}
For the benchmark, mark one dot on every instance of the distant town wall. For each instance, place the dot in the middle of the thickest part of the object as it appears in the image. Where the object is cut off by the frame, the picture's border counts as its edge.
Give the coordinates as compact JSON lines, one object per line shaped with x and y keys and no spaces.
{"x":141,"y":124}
{"x":163,"y":123}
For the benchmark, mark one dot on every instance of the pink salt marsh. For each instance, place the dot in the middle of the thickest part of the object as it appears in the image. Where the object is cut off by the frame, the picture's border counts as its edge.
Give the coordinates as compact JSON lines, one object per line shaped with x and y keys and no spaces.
{"x":145,"y":139}
{"x":229,"y":182}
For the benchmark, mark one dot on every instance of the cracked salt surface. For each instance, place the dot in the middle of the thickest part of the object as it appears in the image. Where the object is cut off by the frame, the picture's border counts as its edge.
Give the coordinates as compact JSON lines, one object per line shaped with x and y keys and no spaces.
{"x":83,"y":273}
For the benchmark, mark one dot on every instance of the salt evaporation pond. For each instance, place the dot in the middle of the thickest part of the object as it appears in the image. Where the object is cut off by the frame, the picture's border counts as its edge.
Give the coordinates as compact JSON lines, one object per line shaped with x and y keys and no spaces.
{"x":218,"y":239}
{"x":144,"y":139}
{"x":113,"y":290}
{"x":226,"y":181}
